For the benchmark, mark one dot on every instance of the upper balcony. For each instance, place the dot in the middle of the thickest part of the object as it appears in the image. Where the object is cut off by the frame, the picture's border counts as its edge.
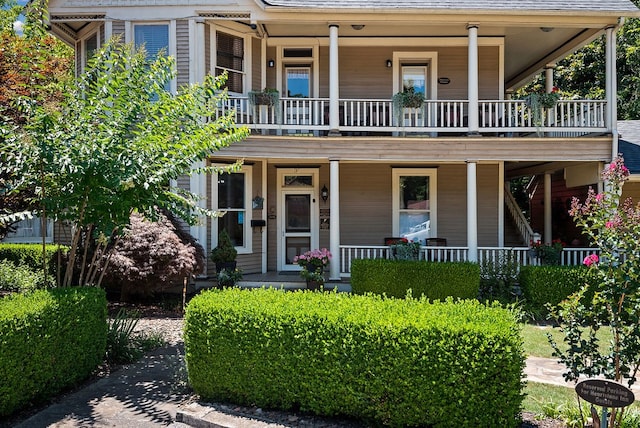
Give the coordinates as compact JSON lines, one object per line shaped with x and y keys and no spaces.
{"x":504,"y":118}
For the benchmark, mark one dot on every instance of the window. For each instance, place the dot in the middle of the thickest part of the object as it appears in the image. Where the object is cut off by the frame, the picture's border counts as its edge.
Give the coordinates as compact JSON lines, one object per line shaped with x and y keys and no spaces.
{"x":154,"y":38}
{"x":414,"y":203}
{"x":232,"y":197}
{"x":298,"y":82}
{"x":415,"y":77}
{"x":230,"y":58}
{"x":30,"y":230}
{"x":90,"y":46}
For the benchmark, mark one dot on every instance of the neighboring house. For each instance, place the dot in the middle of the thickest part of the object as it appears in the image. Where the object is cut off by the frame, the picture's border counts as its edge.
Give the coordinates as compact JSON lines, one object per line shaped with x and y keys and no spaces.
{"x":334,"y":162}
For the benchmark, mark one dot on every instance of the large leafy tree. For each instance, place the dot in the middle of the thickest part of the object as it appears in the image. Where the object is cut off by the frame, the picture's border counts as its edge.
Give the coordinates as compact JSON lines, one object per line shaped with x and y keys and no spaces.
{"x":112,"y":149}
{"x":34,"y":66}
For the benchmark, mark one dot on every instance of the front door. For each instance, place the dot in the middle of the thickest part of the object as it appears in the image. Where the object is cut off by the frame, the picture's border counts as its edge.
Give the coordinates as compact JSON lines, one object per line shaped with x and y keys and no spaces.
{"x":298,"y":214}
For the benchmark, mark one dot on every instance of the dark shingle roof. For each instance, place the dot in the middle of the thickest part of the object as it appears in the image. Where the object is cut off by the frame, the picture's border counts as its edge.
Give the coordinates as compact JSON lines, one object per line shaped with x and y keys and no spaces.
{"x":484,"y":5}
{"x":629,"y":144}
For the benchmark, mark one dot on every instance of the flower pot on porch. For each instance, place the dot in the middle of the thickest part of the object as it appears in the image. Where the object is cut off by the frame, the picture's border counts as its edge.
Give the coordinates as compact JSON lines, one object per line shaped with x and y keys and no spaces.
{"x":230,"y":266}
{"x":314,"y":285}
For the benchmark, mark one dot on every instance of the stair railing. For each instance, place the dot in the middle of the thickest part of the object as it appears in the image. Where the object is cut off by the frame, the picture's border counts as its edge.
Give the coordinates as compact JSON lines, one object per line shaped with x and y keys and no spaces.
{"x":518,"y":217}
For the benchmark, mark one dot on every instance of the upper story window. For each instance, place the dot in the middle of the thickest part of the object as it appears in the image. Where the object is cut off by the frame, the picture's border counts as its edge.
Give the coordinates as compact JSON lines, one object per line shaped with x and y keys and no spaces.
{"x":415,"y":76}
{"x":154,"y":38}
{"x":89,"y":47}
{"x":230,"y":58}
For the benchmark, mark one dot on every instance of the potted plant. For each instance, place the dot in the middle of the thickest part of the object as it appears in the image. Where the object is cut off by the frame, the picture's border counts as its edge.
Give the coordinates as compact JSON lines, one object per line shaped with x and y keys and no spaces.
{"x":228,"y":277}
{"x":313,"y":264}
{"x":224,"y":255}
{"x":404,"y":249}
{"x":267,"y":97}
{"x":548,"y":254}
{"x":408,"y":98}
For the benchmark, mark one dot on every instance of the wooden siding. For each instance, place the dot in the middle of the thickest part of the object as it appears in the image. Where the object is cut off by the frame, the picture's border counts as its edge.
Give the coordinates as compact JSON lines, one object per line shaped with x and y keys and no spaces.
{"x":488,"y":184}
{"x":363,"y":71}
{"x":182,"y":54}
{"x":207,"y":49}
{"x":256,"y":67}
{"x":117,"y":29}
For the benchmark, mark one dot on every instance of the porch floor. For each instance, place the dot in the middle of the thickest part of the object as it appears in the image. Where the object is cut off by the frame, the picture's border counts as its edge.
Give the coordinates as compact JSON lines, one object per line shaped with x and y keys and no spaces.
{"x":284,"y":280}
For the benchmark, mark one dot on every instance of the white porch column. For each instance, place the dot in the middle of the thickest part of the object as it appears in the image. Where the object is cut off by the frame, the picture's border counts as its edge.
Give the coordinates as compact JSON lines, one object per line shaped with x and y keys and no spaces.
{"x":611,"y":88}
{"x":472,"y":77}
{"x":334,"y":82}
{"x":334,"y":222}
{"x":547,"y":209}
{"x":548,"y":79}
{"x":198,"y":182}
{"x":472,"y":211}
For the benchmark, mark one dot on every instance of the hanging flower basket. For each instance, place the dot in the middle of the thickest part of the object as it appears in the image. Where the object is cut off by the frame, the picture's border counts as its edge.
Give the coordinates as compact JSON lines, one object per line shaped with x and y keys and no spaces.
{"x":266,"y":97}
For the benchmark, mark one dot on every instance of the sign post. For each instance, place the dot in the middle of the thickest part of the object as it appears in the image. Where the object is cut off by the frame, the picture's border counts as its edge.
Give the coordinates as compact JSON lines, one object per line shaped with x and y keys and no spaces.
{"x":605,"y":393}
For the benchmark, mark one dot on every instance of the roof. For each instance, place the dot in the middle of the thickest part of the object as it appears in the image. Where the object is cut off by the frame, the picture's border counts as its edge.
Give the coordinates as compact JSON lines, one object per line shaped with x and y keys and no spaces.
{"x":620,"y":6}
{"x":629,"y":144}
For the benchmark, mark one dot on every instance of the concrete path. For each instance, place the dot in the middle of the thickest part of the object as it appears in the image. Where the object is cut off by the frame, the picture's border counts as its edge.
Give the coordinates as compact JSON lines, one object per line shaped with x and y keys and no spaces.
{"x":153,"y":393}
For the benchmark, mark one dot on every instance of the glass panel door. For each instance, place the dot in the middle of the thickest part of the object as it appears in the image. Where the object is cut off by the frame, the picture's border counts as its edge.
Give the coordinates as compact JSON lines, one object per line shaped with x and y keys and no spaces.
{"x":297,"y":230}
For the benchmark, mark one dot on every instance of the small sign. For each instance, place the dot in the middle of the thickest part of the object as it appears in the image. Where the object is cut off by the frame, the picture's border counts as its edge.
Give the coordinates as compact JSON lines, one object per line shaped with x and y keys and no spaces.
{"x":444,"y":80}
{"x":605,"y":393}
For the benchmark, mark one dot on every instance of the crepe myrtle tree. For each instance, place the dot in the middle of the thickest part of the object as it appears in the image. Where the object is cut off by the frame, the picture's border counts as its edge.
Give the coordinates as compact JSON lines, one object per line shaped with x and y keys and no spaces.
{"x":113,"y":148}
{"x":610,"y":298}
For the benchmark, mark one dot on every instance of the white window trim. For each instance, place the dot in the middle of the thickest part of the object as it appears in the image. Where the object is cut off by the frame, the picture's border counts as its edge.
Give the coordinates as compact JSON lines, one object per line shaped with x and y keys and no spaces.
{"x":314,"y":64}
{"x":430,"y":58}
{"x":84,"y":35}
{"x":247,"y":170}
{"x":432,"y":173}
{"x":246,"y":60}
{"x":129,"y":38}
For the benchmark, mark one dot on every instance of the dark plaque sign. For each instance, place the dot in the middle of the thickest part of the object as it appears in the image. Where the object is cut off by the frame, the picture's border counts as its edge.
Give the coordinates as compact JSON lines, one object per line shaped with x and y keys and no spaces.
{"x":605,"y":393}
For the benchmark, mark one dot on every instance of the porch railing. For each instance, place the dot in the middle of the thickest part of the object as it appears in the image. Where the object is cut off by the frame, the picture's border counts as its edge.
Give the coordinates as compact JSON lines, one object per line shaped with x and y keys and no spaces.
{"x":522,"y":255}
{"x":508,"y":117}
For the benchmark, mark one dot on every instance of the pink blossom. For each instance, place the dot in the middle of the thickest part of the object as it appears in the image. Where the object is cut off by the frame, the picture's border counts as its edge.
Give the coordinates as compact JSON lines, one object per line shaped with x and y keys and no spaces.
{"x":599,"y":197}
{"x":610,"y":224}
{"x":591,"y":259}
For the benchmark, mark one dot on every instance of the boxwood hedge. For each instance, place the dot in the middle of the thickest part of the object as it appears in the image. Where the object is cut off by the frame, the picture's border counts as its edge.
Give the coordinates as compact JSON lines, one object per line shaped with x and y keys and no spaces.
{"x":31,"y":255}
{"x":434,"y":280}
{"x":49,"y":340}
{"x":386,"y":361}
{"x":549,"y":285}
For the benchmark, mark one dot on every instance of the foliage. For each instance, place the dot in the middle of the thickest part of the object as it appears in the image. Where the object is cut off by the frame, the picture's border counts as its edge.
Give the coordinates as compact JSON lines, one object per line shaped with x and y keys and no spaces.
{"x":228,"y":277}
{"x":499,"y":277}
{"x":267,"y":97}
{"x":403,"y":249}
{"x":434,"y":280}
{"x":610,"y":300}
{"x":225,"y":252}
{"x":544,"y":287}
{"x":537,"y":100}
{"x":549,"y":254}
{"x":35,"y":66}
{"x":409,"y":98}
{"x":124,"y":344}
{"x":389,"y":361}
{"x":313,"y":264}
{"x":51,"y":339}
{"x":22,"y":278}
{"x":31,"y":255}
{"x":152,"y":255}
{"x":118,"y":141}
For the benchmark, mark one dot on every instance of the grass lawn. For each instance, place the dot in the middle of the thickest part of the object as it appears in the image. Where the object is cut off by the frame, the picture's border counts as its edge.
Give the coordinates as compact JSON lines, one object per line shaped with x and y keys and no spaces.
{"x":536,"y":343}
{"x":539,"y":395}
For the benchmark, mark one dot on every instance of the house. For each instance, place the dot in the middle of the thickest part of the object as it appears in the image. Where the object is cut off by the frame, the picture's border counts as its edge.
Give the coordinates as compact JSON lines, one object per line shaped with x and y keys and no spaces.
{"x":334,"y":159}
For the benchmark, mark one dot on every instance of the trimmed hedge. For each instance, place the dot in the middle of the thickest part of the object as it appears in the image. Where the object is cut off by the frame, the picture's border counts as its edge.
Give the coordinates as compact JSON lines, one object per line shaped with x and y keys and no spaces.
{"x":31,"y":255}
{"x":49,"y":340}
{"x":542,"y":285}
{"x":435,"y":281}
{"x":387,"y":361}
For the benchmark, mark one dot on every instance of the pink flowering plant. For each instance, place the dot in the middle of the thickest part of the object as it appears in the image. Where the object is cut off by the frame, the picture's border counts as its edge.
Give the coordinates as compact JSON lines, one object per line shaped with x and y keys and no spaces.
{"x":548,"y":253}
{"x":610,"y":298}
{"x":313,"y":264}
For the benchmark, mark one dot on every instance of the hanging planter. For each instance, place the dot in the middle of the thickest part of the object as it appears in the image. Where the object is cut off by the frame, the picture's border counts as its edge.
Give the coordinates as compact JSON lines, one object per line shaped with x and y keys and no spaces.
{"x":267,"y":97}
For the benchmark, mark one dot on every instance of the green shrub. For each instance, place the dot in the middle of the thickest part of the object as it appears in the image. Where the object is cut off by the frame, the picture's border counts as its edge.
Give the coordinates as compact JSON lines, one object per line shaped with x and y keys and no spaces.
{"x":436,"y":281}
{"x":22,"y":278}
{"x":387,"y":361}
{"x":549,"y":285}
{"x":31,"y":255}
{"x":49,"y":340}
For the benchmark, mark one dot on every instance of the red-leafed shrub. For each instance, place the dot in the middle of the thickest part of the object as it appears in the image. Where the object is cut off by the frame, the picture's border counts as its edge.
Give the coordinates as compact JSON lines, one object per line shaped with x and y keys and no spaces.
{"x":151,"y":256}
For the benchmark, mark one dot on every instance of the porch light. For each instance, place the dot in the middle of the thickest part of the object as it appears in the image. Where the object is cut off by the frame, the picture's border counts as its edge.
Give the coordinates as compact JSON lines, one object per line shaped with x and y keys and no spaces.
{"x":324,"y":193}
{"x":357,"y":27}
{"x":389,"y":63}
{"x":546,"y":29}
{"x":271,"y":63}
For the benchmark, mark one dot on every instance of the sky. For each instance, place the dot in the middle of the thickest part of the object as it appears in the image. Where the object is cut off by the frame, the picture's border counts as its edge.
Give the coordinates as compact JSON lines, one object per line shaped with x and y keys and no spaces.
{"x":17,"y":26}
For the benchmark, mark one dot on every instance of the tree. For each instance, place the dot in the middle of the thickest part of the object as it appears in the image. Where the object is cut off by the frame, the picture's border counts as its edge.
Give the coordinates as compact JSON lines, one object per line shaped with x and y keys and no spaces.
{"x":611,"y":297}
{"x":114,"y":147}
{"x":34,"y":66}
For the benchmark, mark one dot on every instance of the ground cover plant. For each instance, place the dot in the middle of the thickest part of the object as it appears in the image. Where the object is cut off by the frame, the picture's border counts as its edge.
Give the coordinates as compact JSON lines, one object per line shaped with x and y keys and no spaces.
{"x":366,"y":357}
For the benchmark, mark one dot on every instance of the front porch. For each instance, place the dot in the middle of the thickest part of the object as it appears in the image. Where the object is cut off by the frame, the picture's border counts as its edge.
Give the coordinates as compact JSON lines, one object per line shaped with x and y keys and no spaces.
{"x":378,"y":117}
